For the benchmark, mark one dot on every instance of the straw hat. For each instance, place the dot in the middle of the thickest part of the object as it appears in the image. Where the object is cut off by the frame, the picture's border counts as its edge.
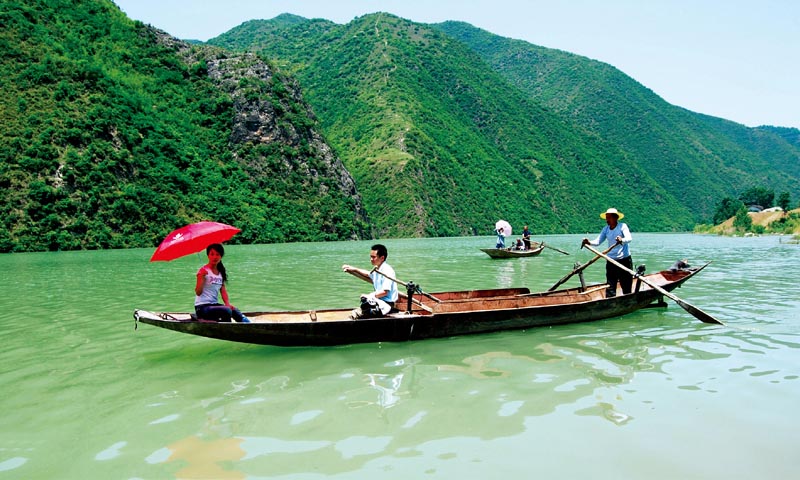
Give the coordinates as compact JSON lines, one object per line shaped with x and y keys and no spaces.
{"x":613,"y":211}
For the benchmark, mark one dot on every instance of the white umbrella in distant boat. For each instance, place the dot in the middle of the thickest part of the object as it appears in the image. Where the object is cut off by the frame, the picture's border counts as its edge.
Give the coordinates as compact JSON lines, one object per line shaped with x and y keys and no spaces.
{"x":505,"y":226}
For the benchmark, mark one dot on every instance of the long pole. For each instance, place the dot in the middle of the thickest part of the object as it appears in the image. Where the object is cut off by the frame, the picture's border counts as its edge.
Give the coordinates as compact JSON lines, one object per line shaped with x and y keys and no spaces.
{"x":579,"y":268}
{"x":361,"y":274}
{"x":375,"y":269}
{"x":554,"y":248}
{"x":699,"y":314}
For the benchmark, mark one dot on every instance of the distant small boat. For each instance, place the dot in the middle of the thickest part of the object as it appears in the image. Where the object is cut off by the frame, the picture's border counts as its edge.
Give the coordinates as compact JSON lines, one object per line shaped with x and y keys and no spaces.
{"x":452,"y":313}
{"x":536,"y":249}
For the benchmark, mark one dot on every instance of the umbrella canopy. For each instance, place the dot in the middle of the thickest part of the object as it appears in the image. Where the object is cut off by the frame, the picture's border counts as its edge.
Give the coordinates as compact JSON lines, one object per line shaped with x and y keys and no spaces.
{"x":192,"y":238}
{"x":505,"y":226}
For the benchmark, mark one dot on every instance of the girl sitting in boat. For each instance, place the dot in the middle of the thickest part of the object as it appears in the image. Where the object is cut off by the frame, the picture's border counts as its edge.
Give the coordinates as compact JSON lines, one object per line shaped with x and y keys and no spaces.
{"x":210,"y":286}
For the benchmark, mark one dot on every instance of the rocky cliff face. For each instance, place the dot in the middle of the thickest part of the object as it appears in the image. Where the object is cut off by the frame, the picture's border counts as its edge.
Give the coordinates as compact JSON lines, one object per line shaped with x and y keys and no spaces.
{"x":260,"y":120}
{"x":271,"y":113}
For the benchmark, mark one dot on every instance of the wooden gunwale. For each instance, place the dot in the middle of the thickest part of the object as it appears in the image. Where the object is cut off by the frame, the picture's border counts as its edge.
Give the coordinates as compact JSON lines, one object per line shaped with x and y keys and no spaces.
{"x":458,"y":313}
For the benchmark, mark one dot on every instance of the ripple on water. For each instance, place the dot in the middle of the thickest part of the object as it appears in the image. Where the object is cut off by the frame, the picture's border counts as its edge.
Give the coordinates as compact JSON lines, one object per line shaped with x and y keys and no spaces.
{"x":12,"y":463}
{"x":111,"y":452}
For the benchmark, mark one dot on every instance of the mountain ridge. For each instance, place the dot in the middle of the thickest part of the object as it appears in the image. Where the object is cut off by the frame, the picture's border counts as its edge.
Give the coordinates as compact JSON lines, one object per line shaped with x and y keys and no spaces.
{"x":668,"y":174}
{"x":114,"y":133}
{"x":488,"y":121}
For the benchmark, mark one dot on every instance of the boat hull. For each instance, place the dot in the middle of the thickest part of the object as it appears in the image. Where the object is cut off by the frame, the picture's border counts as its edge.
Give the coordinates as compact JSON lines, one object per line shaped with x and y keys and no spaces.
{"x":458,"y":313}
{"x":506,"y":253}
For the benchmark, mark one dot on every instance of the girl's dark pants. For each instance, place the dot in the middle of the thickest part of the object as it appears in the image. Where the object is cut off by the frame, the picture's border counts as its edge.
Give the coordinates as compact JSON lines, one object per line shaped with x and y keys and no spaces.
{"x":218,"y":312}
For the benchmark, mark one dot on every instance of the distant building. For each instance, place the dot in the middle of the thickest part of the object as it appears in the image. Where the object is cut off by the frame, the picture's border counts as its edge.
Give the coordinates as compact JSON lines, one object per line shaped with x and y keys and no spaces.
{"x":754,"y":208}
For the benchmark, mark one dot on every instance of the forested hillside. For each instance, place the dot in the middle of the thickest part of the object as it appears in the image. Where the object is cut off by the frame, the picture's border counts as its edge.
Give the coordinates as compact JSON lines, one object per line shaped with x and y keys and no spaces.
{"x":113,"y":133}
{"x":695,"y":157}
{"x":512,"y":130}
{"x":439,"y":144}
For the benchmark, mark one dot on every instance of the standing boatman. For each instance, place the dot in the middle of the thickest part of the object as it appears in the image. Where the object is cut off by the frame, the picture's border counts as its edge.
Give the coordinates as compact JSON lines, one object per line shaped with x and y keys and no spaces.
{"x":526,"y":237}
{"x":614,"y":232}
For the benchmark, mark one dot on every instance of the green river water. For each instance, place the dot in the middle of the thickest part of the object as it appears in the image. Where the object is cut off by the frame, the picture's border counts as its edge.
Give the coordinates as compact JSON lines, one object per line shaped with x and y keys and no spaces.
{"x":655,"y":394}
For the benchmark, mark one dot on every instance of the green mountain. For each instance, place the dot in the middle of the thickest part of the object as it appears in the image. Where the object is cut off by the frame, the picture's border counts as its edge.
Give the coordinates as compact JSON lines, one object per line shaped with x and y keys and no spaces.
{"x":695,"y":157}
{"x":457,"y":127}
{"x":440,"y":144}
{"x":114,"y":133}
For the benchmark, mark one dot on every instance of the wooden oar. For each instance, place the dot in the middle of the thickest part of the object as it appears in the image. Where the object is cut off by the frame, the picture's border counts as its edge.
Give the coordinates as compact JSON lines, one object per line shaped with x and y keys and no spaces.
{"x":554,"y":248}
{"x":357,"y":272}
{"x":418,"y":290}
{"x":698,"y":314}
{"x":579,"y":269}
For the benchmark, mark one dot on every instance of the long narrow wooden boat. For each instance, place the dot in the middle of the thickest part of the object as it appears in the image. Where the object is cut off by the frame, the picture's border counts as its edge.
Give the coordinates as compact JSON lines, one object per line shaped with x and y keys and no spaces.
{"x":456,"y":313}
{"x":536,"y":249}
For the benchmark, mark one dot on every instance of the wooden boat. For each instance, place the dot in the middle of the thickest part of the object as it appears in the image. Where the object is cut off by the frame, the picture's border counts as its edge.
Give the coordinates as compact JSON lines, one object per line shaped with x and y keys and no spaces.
{"x":536,"y":249}
{"x":455,"y":313}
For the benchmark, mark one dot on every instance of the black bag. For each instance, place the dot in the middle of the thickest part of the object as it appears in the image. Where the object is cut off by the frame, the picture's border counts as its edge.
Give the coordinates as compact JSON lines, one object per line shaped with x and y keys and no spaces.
{"x":370,"y":308}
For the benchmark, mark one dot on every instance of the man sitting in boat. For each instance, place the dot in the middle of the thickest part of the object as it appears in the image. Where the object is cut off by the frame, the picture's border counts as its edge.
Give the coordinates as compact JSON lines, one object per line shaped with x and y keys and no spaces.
{"x":381,"y":300}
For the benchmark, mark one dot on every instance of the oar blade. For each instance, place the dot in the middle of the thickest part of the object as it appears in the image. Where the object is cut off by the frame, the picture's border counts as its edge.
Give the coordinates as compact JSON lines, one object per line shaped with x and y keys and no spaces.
{"x":556,"y":249}
{"x":698,"y":314}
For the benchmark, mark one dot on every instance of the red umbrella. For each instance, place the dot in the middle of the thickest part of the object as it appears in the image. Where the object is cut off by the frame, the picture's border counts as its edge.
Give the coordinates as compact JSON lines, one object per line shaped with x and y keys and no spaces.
{"x":192,"y":238}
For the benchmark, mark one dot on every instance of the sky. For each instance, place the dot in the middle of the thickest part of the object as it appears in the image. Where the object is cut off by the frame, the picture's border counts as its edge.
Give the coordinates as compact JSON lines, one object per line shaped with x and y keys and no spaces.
{"x":734,"y":59}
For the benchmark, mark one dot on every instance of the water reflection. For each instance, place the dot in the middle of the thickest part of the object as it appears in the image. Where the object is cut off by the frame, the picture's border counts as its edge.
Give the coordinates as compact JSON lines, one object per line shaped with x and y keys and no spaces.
{"x":349,"y":417}
{"x":202,"y":457}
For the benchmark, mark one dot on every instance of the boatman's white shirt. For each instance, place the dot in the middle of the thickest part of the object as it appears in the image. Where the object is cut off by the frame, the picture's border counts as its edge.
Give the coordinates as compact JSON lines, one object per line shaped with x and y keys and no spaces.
{"x":621,"y":230}
{"x":380,"y":282}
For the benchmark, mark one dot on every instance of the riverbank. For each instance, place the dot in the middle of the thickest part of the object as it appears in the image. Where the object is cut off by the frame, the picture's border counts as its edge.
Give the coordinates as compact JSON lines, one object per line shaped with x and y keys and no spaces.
{"x":772,"y":222}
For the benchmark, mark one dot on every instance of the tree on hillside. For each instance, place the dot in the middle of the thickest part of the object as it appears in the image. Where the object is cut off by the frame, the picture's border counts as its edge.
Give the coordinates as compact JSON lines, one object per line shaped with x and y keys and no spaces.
{"x":783,"y":201}
{"x":761,"y":196}
{"x":742,"y":222}
{"x":726,"y":208}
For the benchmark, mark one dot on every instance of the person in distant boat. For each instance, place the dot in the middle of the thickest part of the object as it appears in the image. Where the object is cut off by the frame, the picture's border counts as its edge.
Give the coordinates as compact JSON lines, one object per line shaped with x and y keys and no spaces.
{"x":520,"y":245}
{"x":501,"y":238}
{"x":526,"y":237}
{"x":384,"y":295}
{"x":615,"y":231}
{"x":210,"y":286}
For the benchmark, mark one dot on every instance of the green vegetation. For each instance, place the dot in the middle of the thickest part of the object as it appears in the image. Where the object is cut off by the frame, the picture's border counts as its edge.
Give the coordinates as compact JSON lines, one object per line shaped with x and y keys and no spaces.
{"x":726,"y":209}
{"x":742,"y":221}
{"x":456,"y":137}
{"x":694,"y":157}
{"x":760,"y":196}
{"x":439,"y":144}
{"x":113,"y":134}
{"x":731,"y":215}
